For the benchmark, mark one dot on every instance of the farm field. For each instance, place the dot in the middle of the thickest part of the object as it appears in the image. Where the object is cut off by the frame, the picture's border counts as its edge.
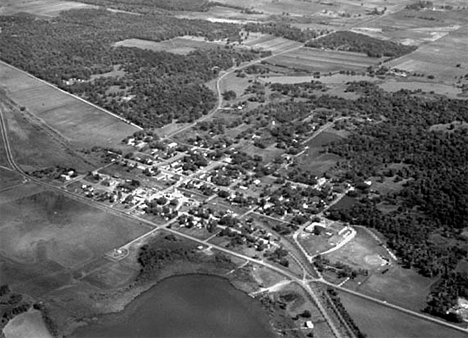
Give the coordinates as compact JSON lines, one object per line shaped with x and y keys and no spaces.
{"x":181,"y":45}
{"x":333,"y":79}
{"x":34,"y":147}
{"x":271,"y":43}
{"x":223,"y":14}
{"x":47,"y":8}
{"x":376,"y":320}
{"x":318,"y":60}
{"x":45,"y":237}
{"x":301,"y":8}
{"x":8,"y":179}
{"x":80,"y":123}
{"x":445,"y":59}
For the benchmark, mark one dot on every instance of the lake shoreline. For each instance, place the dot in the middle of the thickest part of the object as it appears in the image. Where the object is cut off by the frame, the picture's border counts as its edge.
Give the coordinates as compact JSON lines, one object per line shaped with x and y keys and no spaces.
{"x":139,"y":299}
{"x":114,"y":302}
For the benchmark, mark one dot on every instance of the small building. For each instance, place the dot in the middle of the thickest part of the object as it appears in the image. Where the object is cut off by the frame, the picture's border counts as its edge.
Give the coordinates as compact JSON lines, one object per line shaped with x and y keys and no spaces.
{"x":308,"y":324}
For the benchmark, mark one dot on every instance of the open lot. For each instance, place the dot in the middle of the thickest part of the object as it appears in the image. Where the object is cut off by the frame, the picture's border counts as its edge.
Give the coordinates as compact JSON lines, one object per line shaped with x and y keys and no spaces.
{"x":46,"y":8}
{"x":445,"y":59}
{"x":9,"y":179}
{"x":34,"y":146}
{"x":272,"y":43}
{"x":78,"y":122}
{"x":181,"y":45}
{"x":318,"y":60}
{"x":44,"y":237}
{"x":379,"y":321}
{"x":313,"y":159}
{"x":386,"y":280}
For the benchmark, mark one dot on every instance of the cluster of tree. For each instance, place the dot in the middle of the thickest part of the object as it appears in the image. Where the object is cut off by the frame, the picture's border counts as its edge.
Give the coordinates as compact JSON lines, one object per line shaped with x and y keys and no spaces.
{"x":445,"y":295}
{"x":53,"y":172}
{"x":11,"y":304}
{"x":194,"y":161}
{"x":278,"y":256}
{"x":335,"y":298}
{"x":152,"y":259}
{"x":163,"y":87}
{"x":342,"y":270}
{"x":360,"y":43}
{"x":302,"y":176}
{"x":229,"y":95}
{"x":283,"y":30}
{"x":47,"y":318}
{"x":433,"y":163}
{"x":162,"y":207}
{"x":151,"y":6}
{"x":303,"y":89}
{"x":421,"y":4}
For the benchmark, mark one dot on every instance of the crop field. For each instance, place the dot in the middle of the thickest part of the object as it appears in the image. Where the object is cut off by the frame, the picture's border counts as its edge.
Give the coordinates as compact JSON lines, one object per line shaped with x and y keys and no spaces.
{"x":80,"y":123}
{"x":35,"y":148}
{"x":272,"y":43}
{"x":377,"y":320}
{"x":45,"y":236}
{"x":445,"y":59}
{"x":318,"y":60}
{"x":181,"y":45}
{"x":301,"y":8}
{"x":47,"y":8}
{"x":9,"y":178}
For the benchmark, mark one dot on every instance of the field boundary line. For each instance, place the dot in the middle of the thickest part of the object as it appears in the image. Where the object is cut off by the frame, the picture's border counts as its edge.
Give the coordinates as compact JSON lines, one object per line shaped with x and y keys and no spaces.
{"x":70,"y":94}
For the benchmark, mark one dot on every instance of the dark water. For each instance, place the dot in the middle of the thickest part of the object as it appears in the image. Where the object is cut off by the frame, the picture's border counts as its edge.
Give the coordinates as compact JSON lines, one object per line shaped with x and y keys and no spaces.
{"x":186,"y":306}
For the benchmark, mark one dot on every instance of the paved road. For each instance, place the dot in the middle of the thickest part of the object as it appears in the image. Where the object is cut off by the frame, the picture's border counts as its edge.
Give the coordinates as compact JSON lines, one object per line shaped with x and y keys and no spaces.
{"x":220,"y":94}
{"x":393,"y":306}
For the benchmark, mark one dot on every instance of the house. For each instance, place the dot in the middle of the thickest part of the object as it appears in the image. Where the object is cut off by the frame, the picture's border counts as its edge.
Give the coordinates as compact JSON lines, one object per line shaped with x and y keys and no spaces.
{"x":308,"y":324}
{"x":172,"y":145}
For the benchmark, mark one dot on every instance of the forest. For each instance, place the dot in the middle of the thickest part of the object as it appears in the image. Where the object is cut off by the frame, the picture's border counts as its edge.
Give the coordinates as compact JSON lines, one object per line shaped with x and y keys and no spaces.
{"x":283,"y":30}
{"x":396,"y":142}
{"x":360,"y":43}
{"x":155,"y":89}
{"x":148,"y":6}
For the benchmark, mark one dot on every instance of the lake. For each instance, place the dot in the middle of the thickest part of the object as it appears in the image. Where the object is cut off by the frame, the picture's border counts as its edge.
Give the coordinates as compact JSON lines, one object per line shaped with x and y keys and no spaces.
{"x":185,"y":306}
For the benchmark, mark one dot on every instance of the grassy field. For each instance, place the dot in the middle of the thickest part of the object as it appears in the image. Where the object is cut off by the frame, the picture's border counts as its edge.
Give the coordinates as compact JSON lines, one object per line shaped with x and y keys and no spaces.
{"x":76,"y":121}
{"x":396,"y":285}
{"x":43,"y":8}
{"x":45,"y":237}
{"x":324,"y":61}
{"x":445,"y":59}
{"x":438,"y":88}
{"x":35,"y":147}
{"x":181,"y":45}
{"x":313,"y":160}
{"x":8,"y":179}
{"x":272,"y":43}
{"x":28,"y":324}
{"x":379,"y":321}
